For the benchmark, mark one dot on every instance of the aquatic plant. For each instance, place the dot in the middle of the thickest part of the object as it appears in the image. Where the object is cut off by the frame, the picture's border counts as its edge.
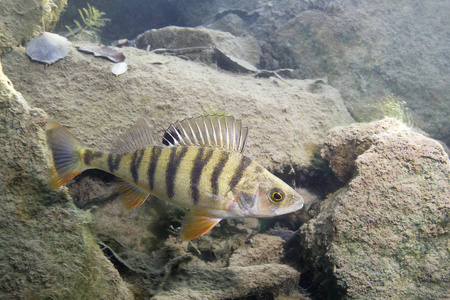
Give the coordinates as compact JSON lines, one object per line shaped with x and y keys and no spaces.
{"x":92,"y":21}
{"x":387,"y":105}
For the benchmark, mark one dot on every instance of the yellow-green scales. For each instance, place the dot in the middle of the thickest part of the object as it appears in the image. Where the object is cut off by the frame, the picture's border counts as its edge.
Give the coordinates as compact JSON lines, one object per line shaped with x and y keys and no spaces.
{"x":201,"y":167}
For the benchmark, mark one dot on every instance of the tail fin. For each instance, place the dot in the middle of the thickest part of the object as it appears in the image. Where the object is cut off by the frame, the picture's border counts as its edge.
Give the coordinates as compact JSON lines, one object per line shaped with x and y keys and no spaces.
{"x":66,"y":154}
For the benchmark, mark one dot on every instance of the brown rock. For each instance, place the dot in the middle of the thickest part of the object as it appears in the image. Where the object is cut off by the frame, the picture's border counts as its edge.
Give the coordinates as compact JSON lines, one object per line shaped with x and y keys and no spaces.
{"x":386,"y":233}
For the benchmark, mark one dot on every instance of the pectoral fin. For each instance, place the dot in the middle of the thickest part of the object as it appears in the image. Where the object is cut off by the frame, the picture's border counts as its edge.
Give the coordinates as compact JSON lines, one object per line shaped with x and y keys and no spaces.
{"x":197,"y":223}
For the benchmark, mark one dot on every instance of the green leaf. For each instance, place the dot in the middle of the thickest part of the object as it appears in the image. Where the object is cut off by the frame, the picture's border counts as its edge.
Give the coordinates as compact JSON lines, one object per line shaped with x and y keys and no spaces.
{"x":78,"y":24}
{"x":82,"y":16}
{"x":70,"y":30}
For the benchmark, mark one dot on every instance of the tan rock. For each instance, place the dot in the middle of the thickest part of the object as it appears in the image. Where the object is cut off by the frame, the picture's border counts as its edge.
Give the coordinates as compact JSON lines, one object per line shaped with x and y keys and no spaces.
{"x":287,"y":119}
{"x":386,"y":233}
{"x":47,"y":246}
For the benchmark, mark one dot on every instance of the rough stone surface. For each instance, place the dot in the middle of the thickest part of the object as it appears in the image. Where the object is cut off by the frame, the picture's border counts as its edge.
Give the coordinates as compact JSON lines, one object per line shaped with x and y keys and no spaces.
{"x":385,"y":235}
{"x":287,"y":120}
{"x":369,"y":50}
{"x":173,"y":37}
{"x":47,"y":247}
{"x":21,"y":20}
{"x":231,"y":282}
{"x":373,"y":48}
{"x":261,"y":249}
{"x":177,"y":271}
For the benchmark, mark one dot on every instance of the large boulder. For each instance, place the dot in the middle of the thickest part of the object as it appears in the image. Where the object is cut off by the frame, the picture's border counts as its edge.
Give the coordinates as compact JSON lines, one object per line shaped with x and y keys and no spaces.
{"x":386,"y":234}
{"x":375,"y":52}
{"x":287,"y":119}
{"x":47,"y":246}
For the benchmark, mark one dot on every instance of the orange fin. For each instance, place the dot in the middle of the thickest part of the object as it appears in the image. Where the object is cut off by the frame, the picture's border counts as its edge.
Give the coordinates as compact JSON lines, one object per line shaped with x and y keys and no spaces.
{"x":132,"y":195}
{"x":197,"y":223}
{"x":66,"y":154}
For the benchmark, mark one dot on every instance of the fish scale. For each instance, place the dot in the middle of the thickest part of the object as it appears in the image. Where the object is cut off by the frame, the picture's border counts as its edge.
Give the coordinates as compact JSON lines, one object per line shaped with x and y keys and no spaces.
{"x":201,"y":168}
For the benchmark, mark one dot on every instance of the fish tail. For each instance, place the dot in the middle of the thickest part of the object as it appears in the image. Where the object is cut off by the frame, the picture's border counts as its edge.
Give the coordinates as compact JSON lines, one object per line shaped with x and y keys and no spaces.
{"x":66,"y":152}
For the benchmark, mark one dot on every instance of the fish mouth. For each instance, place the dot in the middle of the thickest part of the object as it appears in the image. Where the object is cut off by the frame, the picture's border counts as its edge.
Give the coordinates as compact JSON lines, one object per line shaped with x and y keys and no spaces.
{"x":290,"y":209}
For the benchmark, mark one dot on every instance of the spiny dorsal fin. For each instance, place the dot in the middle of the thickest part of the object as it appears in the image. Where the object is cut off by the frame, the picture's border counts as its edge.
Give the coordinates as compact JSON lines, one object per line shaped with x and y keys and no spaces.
{"x":215,"y":131}
{"x":135,"y":138}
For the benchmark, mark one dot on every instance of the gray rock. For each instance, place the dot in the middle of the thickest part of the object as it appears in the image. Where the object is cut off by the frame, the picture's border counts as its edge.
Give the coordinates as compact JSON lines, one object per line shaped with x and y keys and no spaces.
{"x":375,"y":49}
{"x":48,"y":48}
{"x":172,"y":37}
{"x":259,"y":249}
{"x":47,"y":246}
{"x":386,"y":234}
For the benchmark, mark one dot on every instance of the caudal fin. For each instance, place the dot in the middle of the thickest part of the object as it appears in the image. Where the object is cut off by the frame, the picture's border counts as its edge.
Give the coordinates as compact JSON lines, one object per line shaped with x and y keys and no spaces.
{"x":66,"y":154}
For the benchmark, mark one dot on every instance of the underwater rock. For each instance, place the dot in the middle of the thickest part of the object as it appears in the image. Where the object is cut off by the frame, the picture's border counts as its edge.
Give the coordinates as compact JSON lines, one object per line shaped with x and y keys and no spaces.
{"x":365,"y":49}
{"x":286,"y":120}
{"x":231,"y":282}
{"x":48,"y":47}
{"x":258,"y":249}
{"x":21,"y":20}
{"x":47,"y":247}
{"x":367,"y":52}
{"x":171,"y":273}
{"x":172,"y":37}
{"x":387,"y":233}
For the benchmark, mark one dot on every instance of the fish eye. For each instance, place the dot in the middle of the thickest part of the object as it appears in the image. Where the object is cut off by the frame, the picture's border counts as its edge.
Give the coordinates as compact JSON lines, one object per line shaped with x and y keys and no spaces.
{"x":276,"y":195}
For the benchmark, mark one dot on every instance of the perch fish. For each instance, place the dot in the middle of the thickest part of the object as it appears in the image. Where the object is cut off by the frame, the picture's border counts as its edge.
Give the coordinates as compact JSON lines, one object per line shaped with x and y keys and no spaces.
{"x":200,"y":167}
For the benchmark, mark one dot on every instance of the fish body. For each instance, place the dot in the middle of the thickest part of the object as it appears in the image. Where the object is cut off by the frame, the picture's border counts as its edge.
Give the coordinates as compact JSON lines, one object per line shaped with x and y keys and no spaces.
{"x":202,"y":169}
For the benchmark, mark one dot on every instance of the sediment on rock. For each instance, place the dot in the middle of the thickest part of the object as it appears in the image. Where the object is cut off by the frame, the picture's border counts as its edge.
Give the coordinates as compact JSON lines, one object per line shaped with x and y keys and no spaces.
{"x":385,"y":234}
{"x":48,"y":249}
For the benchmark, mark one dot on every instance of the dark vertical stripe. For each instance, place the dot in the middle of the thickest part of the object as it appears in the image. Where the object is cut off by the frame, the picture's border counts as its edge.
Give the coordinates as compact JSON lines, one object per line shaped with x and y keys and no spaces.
{"x":89,"y":155}
{"x":156,"y":153}
{"x":217,"y":171}
{"x":136,"y":163}
{"x":196,"y":172}
{"x":172,"y":167}
{"x":114,"y":161}
{"x":239,"y":172}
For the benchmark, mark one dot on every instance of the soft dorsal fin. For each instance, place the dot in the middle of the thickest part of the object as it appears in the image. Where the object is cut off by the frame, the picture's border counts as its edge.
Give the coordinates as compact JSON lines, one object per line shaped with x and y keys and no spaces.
{"x":214,"y":131}
{"x":135,"y":138}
